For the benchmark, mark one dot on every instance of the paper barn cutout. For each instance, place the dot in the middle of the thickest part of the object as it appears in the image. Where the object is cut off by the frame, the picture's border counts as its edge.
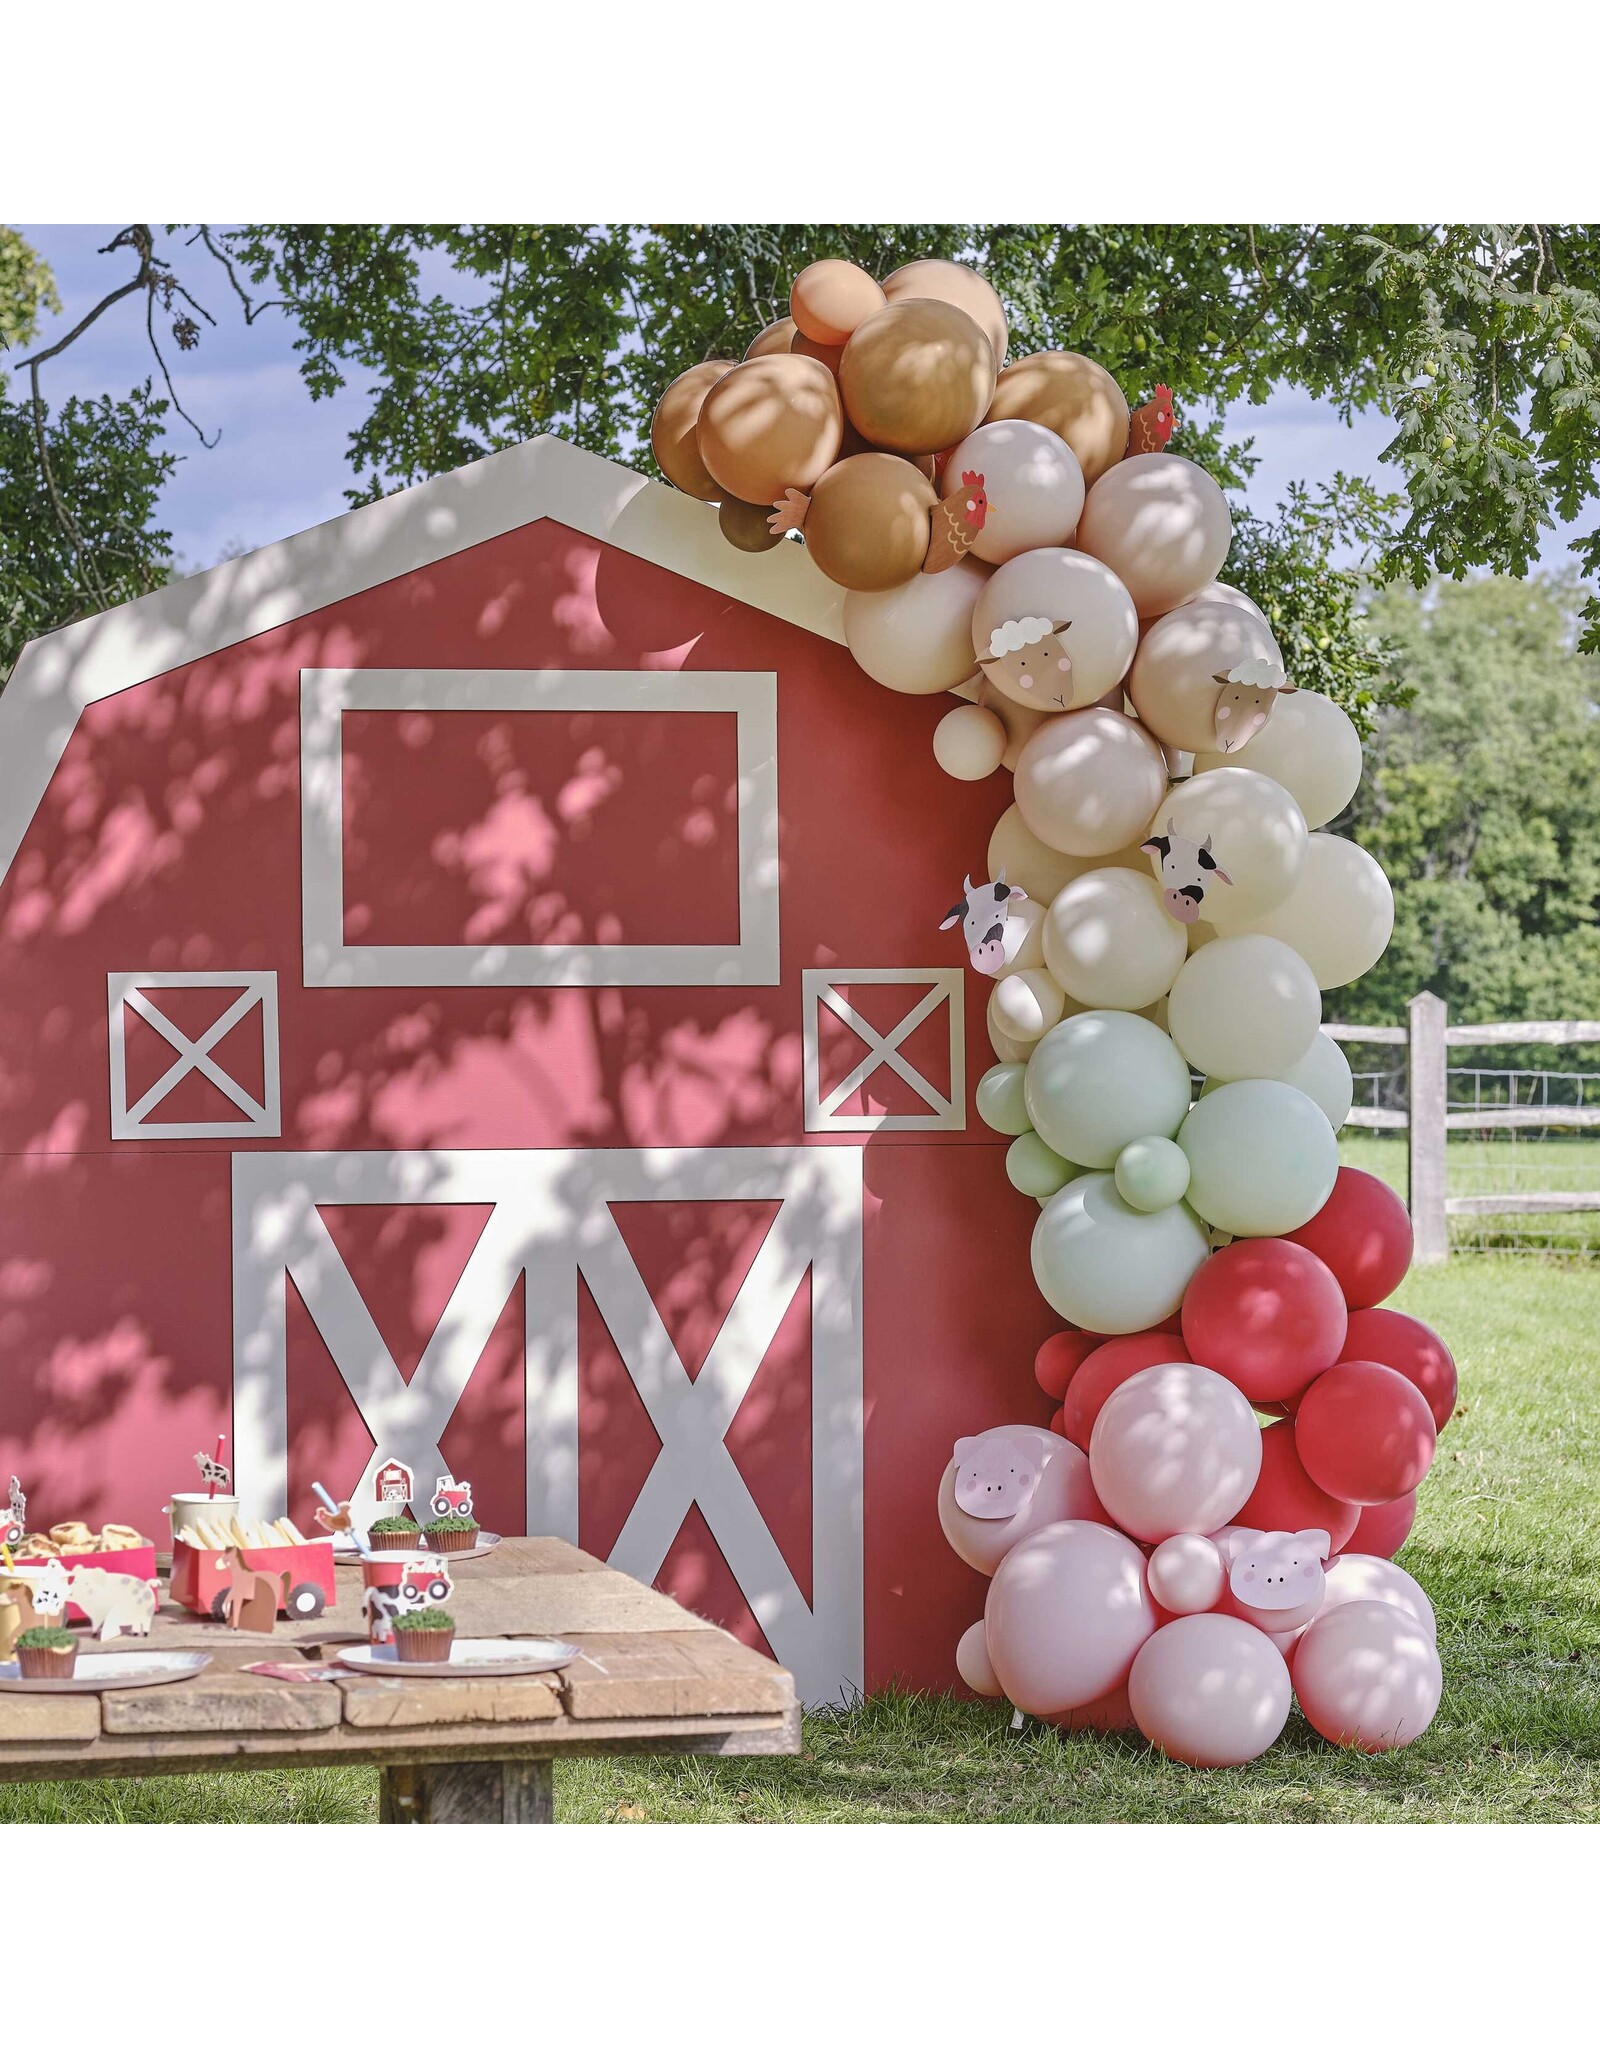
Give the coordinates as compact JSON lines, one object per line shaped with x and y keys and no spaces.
{"x":1244,"y":702}
{"x":1150,"y":428}
{"x":986,"y":923}
{"x":957,"y":522}
{"x":995,"y":1477}
{"x":1030,"y":655}
{"x":1186,"y":870}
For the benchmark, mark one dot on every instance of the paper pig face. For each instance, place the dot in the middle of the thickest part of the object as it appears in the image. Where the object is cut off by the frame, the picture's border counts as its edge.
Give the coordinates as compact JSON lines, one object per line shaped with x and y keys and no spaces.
{"x":1278,"y":1575}
{"x":994,"y":1479}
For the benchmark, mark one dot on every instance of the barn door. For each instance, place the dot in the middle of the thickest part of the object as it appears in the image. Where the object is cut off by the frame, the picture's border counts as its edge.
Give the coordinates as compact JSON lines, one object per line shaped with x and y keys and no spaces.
{"x":550,"y":1222}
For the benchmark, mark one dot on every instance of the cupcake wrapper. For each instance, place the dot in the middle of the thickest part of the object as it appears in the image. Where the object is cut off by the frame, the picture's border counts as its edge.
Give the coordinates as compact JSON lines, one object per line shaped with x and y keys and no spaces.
{"x":47,"y":1663}
{"x":392,"y":1539}
{"x":452,"y":1539}
{"x":423,"y":1645}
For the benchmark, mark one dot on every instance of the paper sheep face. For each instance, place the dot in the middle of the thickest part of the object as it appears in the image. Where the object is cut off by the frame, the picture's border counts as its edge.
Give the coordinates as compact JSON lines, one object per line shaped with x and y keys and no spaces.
{"x":995,"y":1478}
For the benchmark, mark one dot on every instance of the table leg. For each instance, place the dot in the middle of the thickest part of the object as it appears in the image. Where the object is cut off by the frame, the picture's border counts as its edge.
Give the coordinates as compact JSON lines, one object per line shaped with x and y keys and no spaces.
{"x":519,"y":1793}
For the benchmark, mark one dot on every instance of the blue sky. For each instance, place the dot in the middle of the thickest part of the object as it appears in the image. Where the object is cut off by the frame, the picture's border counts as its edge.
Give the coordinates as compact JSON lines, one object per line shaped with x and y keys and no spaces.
{"x":280,"y":464}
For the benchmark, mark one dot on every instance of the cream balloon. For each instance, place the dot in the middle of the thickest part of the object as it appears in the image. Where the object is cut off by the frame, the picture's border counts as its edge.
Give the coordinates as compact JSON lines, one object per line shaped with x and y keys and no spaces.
{"x":1019,"y":721}
{"x":1162,"y":524}
{"x":1324,"y":1074}
{"x":1309,"y":745}
{"x":1340,"y":914}
{"x":1008,"y":1050}
{"x":917,"y":638}
{"x":1174,"y":680}
{"x":1001,"y":1098}
{"x":1101,"y":1079}
{"x":1210,"y":1690}
{"x":1042,"y":870}
{"x":1262,"y":1158}
{"x":1100,"y":628}
{"x":1032,"y":481}
{"x":1067,"y":1613}
{"x":1243,"y":1008}
{"x":1175,"y":1450}
{"x":1257,"y":835}
{"x":1186,"y":1574}
{"x":1109,"y":942}
{"x":1105,"y":1266}
{"x":969,"y":743}
{"x":1026,"y":1005}
{"x":1034,"y":1169}
{"x":972,"y":1662}
{"x":1152,"y":1173}
{"x":1089,"y":782}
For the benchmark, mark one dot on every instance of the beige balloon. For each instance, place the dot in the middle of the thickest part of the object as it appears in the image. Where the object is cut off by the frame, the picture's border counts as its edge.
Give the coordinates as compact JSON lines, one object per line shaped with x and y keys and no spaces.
{"x":1162,"y":524}
{"x":776,"y":340}
{"x":1005,"y":1046}
{"x":1340,"y":914}
{"x":868,"y":523}
{"x":1225,"y":593}
{"x":931,"y":277}
{"x":1065,"y":587}
{"x":674,"y":438}
{"x":769,"y":426}
{"x":830,"y":299}
{"x":1310,"y":746}
{"x":1244,"y":1009}
{"x":1257,"y":835}
{"x":1044,"y":871}
{"x":917,"y":638}
{"x":1024,"y":1006}
{"x":917,"y":377}
{"x":1173,"y":680}
{"x":969,"y":743}
{"x":1109,"y":943}
{"x":1033,"y":484}
{"x":1074,"y":398}
{"x":1088,"y":782}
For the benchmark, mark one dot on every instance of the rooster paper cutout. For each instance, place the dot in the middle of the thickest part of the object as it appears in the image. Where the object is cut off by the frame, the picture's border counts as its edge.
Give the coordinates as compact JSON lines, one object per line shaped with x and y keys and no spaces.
{"x":957,"y":522}
{"x":1150,"y":428}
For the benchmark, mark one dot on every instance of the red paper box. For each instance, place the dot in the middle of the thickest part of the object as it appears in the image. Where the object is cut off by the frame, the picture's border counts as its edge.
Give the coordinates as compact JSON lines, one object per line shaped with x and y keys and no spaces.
{"x":304,"y":1572}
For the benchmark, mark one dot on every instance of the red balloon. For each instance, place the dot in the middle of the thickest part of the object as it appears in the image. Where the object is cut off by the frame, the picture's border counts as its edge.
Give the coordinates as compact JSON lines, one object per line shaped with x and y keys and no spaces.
{"x":1114,"y":1360}
{"x":1365,"y":1433}
{"x":1363,"y":1235}
{"x":1381,"y":1530}
{"x":1059,"y":1357}
{"x":1411,"y":1348}
{"x":1058,"y":1422}
{"x":1286,"y":1497}
{"x":1267,"y":1315}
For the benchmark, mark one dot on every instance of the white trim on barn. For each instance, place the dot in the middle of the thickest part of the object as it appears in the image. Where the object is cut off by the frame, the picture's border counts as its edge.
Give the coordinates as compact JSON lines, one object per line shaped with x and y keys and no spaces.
{"x":57,"y":677}
{"x":943,"y":985}
{"x":126,"y":992}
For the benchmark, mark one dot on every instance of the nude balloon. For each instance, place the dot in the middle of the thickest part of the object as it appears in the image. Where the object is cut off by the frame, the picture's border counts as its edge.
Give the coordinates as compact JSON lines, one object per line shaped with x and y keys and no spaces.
{"x":1173,"y":680}
{"x":1210,"y":1690}
{"x":1073,"y":397}
{"x":776,"y":340}
{"x":1257,"y":835}
{"x":1186,"y":1574}
{"x":1357,"y":1576}
{"x":1176,"y":1449}
{"x":1109,"y":942}
{"x":1067,"y":1613}
{"x":972,"y":1662}
{"x":674,"y":431}
{"x":1243,"y":1008}
{"x":1088,"y":782}
{"x":917,"y":377}
{"x":1225,"y":593}
{"x":867,"y":526}
{"x":1367,"y":1674}
{"x":1339,"y":915}
{"x":969,"y":743}
{"x":770,"y":425}
{"x":1062,"y":587}
{"x":1162,"y":523}
{"x":1109,"y":1267}
{"x":1033,"y":483}
{"x":1310,"y":746}
{"x":917,"y":638}
{"x":1044,"y":871}
{"x":956,"y":284}
{"x":1061,"y":1491}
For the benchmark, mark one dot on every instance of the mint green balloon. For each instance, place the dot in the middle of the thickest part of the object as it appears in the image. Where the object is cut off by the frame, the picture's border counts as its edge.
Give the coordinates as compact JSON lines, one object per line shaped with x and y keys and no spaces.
{"x":1000,"y":1099}
{"x":1033,"y":1169}
{"x":1152,"y":1173}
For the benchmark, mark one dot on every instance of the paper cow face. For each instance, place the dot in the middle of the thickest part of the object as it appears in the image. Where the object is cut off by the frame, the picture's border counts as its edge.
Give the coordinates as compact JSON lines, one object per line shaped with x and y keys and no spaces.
{"x":1278,"y":1574}
{"x":995,"y":1479}
{"x":1187,"y":870}
{"x":993,"y":936}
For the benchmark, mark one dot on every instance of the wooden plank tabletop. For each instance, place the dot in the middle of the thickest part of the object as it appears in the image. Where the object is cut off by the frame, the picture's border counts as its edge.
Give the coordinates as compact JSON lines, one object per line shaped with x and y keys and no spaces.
{"x":649,"y":1676}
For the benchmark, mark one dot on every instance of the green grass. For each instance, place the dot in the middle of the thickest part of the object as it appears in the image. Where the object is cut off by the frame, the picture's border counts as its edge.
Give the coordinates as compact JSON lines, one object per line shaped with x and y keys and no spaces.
{"x":1507,"y":1544}
{"x":1511,"y":1163}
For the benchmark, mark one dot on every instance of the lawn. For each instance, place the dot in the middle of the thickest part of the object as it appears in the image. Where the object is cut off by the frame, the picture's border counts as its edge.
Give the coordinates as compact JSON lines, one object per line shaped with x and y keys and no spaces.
{"x":1507,"y":1544}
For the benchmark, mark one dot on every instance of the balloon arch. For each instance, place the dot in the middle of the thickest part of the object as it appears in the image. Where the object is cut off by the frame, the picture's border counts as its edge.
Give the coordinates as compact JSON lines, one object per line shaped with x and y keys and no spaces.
{"x":1205,"y":1532}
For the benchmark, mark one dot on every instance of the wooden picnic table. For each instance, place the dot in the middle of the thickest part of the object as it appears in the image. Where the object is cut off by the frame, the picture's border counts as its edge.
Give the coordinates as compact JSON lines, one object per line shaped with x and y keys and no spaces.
{"x":649,"y":1677}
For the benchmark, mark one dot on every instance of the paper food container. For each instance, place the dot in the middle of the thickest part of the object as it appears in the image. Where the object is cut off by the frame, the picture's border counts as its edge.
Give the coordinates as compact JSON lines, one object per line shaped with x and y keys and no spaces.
{"x":304,"y":1572}
{"x":16,"y":1614}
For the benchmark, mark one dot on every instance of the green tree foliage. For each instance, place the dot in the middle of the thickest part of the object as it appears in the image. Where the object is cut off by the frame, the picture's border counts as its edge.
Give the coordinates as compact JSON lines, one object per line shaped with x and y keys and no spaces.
{"x":1479,"y":800}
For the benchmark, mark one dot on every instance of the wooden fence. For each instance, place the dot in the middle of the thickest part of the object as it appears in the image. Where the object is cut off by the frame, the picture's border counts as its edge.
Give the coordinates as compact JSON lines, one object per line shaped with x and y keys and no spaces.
{"x":1427,"y":1036}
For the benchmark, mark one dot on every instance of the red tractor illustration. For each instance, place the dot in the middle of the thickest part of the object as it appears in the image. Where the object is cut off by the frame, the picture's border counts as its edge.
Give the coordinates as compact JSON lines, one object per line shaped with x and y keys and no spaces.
{"x":451,"y":1496}
{"x":401,"y":1587}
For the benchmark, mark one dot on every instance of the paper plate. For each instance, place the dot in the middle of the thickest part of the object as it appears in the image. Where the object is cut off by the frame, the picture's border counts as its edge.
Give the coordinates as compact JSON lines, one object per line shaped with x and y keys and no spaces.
{"x":345,"y":1552}
{"x":470,"y":1657}
{"x":111,"y":1671}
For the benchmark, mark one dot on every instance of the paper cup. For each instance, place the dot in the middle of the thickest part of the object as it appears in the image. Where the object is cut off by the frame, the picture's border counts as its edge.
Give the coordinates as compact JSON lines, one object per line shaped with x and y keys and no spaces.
{"x":186,"y":1509}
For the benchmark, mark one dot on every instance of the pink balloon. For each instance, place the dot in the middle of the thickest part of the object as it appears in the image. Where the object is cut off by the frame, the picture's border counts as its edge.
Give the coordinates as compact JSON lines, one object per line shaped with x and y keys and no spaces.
{"x":1067,"y":1612}
{"x":1186,"y":1574}
{"x":1355,"y":1576}
{"x":1210,"y":1690}
{"x":1061,"y":1493}
{"x":1368,"y":1674}
{"x":972,"y":1663}
{"x":1109,"y":1716}
{"x":1176,"y":1448}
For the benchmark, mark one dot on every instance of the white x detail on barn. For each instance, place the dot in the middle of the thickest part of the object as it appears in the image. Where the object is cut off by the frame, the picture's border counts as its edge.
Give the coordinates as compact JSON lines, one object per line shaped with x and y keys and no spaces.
{"x":943,"y":986}
{"x":125,"y":992}
{"x":550,"y":1220}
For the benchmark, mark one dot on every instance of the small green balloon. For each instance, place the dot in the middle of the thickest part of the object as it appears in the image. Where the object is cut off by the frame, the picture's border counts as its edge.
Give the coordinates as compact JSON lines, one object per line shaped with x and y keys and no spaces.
{"x":1000,"y":1099}
{"x":1033,"y":1169}
{"x":1152,"y":1173}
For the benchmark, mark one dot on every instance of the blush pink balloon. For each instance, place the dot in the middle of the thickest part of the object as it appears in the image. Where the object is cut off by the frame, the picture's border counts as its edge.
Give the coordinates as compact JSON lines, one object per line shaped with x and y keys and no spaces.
{"x":972,"y":1662}
{"x":1062,"y":1493}
{"x":1355,"y":1576}
{"x":1210,"y":1690}
{"x":1186,"y":1574}
{"x":1368,"y":1675}
{"x":1067,"y":1612}
{"x":1174,"y":1449}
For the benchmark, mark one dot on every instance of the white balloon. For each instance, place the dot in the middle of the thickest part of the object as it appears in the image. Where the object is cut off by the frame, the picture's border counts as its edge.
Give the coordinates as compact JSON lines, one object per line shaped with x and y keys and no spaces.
{"x":1324,"y":1074}
{"x":1025,"y":1005}
{"x":1002,"y":1099}
{"x":1032,"y":481}
{"x":1340,"y":915}
{"x":1101,"y":1079}
{"x":1088,"y":783}
{"x":1243,"y":1008}
{"x":1100,"y":628}
{"x":1262,"y":1158}
{"x":1034,"y":1169}
{"x":1109,"y":942}
{"x":969,"y":743}
{"x":1162,"y":523}
{"x":917,"y":637}
{"x":1309,"y":745}
{"x":1108,"y":1268}
{"x":1257,"y":835}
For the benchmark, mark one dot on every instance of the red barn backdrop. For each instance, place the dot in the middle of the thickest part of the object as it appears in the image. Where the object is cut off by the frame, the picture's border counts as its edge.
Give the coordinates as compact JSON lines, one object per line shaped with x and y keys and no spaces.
{"x":470,"y":990}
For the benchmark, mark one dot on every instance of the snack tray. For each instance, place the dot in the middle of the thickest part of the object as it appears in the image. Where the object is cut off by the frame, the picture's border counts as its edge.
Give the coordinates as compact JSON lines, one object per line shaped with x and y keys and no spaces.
{"x":111,"y":1671}
{"x":470,"y":1657}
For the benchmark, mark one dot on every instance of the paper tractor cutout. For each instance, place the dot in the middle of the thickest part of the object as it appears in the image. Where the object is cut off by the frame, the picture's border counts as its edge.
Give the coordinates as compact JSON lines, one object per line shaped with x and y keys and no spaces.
{"x":414,"y":1587}
{"x":451,"y":1496}
{"x":994,"y":937}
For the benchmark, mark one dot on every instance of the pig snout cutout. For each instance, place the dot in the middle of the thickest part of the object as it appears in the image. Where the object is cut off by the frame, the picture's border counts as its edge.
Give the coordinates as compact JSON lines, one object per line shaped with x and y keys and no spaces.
{"x":994,"y":1480}
{"x":1276,"y":1578}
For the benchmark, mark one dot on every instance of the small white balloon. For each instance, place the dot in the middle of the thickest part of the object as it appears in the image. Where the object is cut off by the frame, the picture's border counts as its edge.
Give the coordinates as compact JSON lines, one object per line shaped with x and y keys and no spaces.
{"x":1034,"y":1169}
{"x":917,"y":637}
{"x":1162,"y":524}
{"x":1025,"y":1005}
{"x":1109,"y":942}
{"x":1339,"y":916}
{"x":1152,"y":1173}
{"x":1001,"y":1098}
{"x":1059,"y":587}
{"x":969,"y":743}
{"x":1262,"y":1158}
{"x":1310,"y":746}
{"x":1108,"y":1268}
{"x":1256,"y":836}
{"x":1099,"y":1080}
{"x":1033,"y":484}
{"x":1244,"y":1008}
{"x":1089,"y":783}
